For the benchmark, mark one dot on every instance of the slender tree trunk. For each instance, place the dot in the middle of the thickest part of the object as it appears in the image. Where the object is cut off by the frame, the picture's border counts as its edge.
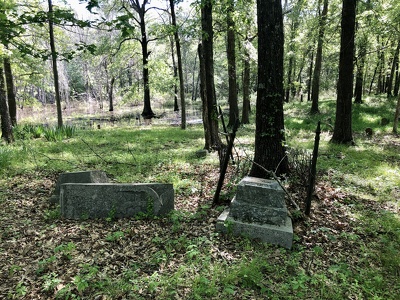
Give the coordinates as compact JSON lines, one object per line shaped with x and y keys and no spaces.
{"x":110,"y":94}
{"x":246,"y":88}
{"x":176,"y":107}
{"x":393,"y":71}
{"x":203,"y":95}
{"x":372,"y":81}
{"x":180,"y":67}
{"x":310,"y":73}
{"x":318,"y":59}
{"x":54,"y":61}
{"x":141,"y":10}
{"x":293,"y":31}
{"x":397,"y":81}
{"x":269,"y":136}
{"x":231,"y":56}
{"x":147,"y":112}
{"x":358,"y":91}
{"x":208,"y":56}
{"x":342,"y":133}
{"x":380,"y":88}
{"x":6,"y":126}
{"x":12,"y":103}
{"x":396,"y":116}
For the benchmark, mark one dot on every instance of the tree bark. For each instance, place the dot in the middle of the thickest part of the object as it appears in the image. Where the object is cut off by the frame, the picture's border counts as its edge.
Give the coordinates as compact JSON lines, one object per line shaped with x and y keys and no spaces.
{"x":176,"y":107}
{"x":269,"y":136}
{"x":362,"y":52}
{"x":180,"y":66}
{"x":397,"y":81}
{"x":396,"y":116}
{"x":203,"y":95}
{"x":54,"y":62}
{"x":342,"y":133}
{"x":295,"y":21}
{"x":141,"y":10}
{"x":12,"y":103}
{"x":380,"y":88}
{"x":208,"y":56}
{"x":246,"y":88}
{"x":318,"y":59}
{"x":393,"y":71}
{"x":310,"y":73}
{"x":110,"y":94}
{"x":231,"y":56}
{"x":6,"y":126}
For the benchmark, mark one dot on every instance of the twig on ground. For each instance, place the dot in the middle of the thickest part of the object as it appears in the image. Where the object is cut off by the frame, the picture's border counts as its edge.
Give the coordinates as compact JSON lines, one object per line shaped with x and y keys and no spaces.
{"x":103,"y":159}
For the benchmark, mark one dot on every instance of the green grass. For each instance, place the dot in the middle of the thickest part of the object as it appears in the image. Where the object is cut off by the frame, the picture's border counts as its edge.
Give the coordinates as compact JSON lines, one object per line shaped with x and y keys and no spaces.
{"x":181,"y":256}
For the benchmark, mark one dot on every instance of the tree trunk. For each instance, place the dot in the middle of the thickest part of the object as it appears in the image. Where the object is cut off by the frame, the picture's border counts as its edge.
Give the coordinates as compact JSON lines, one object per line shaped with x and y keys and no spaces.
{"x":393,"y":71}
{"x":203,"y":95}
{"x":176,"y":107}
{"x":269,"y":136}
{"x":318,"y":59}
{"x":6,"y":126}
{"x":358,"y":90}
{"x":180,"y":66}
{"x":397,"y":81}
{"x":246,"y":88}
{"x":293,"y":32}
{"x":110,"y":94}
{"x":55,"y":71}
{"x":141,"y":10}
{"x":310,"y":73}
{"x":231,"y":56}
{"x":380,"y":88}
{"x":396,"y":116}
{"x":342,"y":133}
{"x":208,"y":56}
{"x":12,"y":103}
{"x":147,"y":112}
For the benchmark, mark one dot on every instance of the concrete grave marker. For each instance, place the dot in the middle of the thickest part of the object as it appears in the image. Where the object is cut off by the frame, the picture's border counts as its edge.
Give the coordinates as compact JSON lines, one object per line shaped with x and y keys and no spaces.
{"x":258,"y":211}
{"x":78,"y":177}
{"x":102,"y":200}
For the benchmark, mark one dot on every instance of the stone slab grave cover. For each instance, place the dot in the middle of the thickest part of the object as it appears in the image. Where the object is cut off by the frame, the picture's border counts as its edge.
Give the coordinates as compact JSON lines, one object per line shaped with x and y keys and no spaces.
{"x":94,"y":176}
{"x":103,"y":200}
{"x":258,"y":211}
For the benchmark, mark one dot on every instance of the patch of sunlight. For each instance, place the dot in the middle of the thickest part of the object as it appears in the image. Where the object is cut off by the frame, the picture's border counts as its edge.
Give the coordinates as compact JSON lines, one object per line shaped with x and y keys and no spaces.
{"x":368,"y":118}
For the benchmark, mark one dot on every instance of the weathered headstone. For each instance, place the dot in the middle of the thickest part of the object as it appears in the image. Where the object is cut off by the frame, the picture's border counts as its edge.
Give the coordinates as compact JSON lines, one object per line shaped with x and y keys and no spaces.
{"x":94,"y":176}
{"x":258,"y":211}
{"x":102,"y":200}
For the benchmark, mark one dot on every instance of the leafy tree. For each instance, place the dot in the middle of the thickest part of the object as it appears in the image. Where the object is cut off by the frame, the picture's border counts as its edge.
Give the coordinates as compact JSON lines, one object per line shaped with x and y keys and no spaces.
{"x":343,"y":124}
{"x":140,"y":19}
{"x":269,"y":136}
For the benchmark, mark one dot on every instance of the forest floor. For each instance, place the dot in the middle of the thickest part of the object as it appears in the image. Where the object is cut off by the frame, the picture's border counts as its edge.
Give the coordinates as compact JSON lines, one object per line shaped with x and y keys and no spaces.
{"x":348,"y":248}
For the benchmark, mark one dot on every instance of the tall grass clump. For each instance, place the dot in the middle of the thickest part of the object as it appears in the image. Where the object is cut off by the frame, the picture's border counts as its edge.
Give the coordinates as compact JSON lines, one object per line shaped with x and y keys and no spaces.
{"x":54,"y":134}
{"x":29,"y":131}
{"x":6,"y":156}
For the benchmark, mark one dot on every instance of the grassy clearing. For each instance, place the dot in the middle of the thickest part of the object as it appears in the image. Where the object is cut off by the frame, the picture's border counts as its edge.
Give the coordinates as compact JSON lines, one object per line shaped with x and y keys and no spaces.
{"x":347,"y":249}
